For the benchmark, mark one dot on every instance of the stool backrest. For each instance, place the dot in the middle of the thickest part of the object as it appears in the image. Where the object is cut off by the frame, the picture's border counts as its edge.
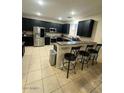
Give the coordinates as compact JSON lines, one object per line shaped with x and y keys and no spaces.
{"x":89,"y":47}
{"x":75,"y":50}
{"x":98,"y":46}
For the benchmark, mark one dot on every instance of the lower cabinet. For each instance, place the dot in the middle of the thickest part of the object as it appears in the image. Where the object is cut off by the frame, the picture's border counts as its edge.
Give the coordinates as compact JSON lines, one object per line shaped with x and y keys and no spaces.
{"x":53,"y":40}
{"x":23,"y":48}
{"x":28,"y":41}
{"x":47,"y":40}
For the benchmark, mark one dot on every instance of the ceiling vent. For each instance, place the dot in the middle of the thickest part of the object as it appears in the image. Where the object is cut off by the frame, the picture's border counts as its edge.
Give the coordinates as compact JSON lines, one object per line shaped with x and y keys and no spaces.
{"x":69,"y":17}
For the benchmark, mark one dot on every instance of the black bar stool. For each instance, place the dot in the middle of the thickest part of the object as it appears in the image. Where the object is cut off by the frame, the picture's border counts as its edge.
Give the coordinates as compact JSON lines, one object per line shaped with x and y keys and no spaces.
{"x":71,"y":57}
{"x":85,"y":55}
{"x":94,"y":52}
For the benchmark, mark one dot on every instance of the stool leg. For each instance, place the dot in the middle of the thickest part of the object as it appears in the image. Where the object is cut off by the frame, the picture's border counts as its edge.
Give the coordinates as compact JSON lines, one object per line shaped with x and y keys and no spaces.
{"x":74,"y":67}
{"x":82,"y":65}
{"x":63,"y":64}
{"x":96,"y":58}
{"x":88,"y":61}
{"x":68,"y":69}
{"x":93,"y":60}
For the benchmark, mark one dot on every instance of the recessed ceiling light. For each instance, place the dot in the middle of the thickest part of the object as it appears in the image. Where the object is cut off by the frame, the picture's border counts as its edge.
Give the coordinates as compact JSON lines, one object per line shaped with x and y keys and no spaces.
{"x":60,"y":18}
{"x":40,"y":2}
{"x":73,"y":13}
{"x":38,"y":13}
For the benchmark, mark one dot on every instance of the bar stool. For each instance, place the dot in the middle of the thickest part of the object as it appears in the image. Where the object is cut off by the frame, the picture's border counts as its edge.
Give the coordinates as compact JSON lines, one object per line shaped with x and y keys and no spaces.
{"x":94,"y":53}
{"x":71,"y":57}
{"x":85,"y":55}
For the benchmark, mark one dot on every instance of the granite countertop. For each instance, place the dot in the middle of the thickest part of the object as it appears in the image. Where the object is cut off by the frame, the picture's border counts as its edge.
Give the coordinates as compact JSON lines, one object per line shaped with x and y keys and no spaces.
{"x":75,"y":42}
{"x":27,"y":35}
{"x":53,"y":32}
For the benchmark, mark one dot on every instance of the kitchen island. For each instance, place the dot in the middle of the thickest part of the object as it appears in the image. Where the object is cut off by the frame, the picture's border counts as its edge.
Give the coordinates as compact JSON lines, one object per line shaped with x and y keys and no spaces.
{"x":65,"y":47}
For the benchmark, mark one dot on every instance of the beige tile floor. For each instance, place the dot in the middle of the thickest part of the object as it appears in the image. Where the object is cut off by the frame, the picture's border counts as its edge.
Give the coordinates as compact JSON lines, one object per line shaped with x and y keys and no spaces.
{"x":39,"y":77}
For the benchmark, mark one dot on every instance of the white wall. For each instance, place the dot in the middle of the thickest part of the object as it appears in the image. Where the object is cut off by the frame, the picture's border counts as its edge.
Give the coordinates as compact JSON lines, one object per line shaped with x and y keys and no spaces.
{"x":73,"y":29}
{"x":96,"y":34}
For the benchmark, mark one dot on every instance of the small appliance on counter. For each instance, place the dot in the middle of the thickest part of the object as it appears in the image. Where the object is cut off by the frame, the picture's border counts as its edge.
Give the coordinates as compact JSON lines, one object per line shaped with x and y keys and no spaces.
{"x":52,"y":29}
{"x":47,"y":40}
{"x":38,"y":35}
{"x":27,"y":33}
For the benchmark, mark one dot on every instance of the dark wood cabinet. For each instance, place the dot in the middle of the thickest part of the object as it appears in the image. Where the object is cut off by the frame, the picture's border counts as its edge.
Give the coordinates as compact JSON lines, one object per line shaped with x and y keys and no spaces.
{"x":28,"y":41}
{"x":47,"y":40}
{"x":85,"y":28}
{"x":65,"y":28}
{"x":23,"y":48}
{"x":28,"y":24}
{"x":59,"y":28}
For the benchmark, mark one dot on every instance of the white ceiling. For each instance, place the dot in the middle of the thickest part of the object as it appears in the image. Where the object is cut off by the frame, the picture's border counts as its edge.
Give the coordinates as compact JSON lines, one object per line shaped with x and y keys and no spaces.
{"x":53,"y":9}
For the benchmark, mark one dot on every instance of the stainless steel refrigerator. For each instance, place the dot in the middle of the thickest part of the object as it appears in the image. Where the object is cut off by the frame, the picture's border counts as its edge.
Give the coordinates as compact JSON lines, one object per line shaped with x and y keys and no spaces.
{"x":38,"y":36}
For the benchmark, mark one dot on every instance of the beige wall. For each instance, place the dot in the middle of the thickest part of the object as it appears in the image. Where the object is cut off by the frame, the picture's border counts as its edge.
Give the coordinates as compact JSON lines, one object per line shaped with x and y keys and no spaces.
{"x":97,"y":32}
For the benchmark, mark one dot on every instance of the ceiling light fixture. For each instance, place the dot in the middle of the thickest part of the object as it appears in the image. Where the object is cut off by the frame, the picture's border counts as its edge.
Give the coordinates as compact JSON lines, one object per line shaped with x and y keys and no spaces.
{"x":60,"y":18}
{"x":73,"y":13}
{"x":38,"y":13}
{"x":40,"y":2}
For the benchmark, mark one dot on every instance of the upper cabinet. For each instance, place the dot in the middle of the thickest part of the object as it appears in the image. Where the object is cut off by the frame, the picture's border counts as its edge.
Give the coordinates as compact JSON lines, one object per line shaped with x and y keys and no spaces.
{"x":28,"y":24}
{"x":85,"y":28}
{"x":65,"y":28}
{"x":57,"y":26}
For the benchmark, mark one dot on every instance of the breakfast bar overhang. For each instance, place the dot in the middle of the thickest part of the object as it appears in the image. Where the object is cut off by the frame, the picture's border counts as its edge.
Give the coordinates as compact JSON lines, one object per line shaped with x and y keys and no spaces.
{"x":65,"y":47}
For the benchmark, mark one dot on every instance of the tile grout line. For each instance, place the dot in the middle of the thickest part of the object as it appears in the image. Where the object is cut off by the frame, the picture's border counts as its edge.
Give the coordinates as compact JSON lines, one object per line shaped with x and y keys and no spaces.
{"x":34,"y":70}
{"x":27,"y":73}
{"x":54,"y":74}
{"x":58,"y":83}
{"x":33,"y":82}
{"x":96,"y":87}
{"x":42,"y":85}
{"x":63,"y":84}
{"x":41,"y":76}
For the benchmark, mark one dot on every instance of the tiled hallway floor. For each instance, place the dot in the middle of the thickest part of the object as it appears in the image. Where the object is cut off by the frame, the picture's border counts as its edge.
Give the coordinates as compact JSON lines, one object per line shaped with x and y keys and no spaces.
{"x":39,"y":77}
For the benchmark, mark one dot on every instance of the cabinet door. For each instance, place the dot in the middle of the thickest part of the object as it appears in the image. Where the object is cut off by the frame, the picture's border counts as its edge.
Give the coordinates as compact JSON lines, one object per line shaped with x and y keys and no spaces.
{"x":85,"y":28}
{"x":28,"y":41}
{"x":65,"y":28}
{"x":59,"y":28}
{"x":27,"y":24}
{"x":47,"y":25}
{"x":52,"y":25}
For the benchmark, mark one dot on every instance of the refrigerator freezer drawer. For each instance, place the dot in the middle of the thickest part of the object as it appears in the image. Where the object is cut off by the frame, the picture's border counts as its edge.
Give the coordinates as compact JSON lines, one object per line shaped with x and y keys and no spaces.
{"x":39,"y":42}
